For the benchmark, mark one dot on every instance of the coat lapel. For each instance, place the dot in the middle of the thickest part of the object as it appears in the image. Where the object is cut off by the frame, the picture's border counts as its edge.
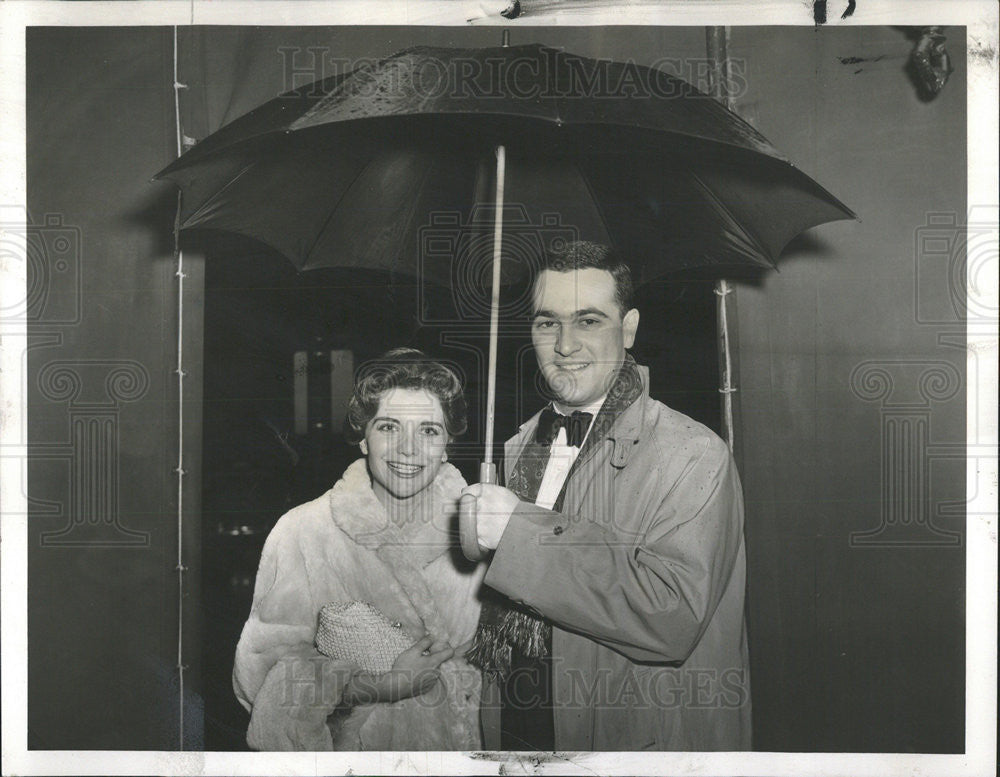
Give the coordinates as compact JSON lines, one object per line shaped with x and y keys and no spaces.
{"x":617,"y":421}
{"x":514,"y":447}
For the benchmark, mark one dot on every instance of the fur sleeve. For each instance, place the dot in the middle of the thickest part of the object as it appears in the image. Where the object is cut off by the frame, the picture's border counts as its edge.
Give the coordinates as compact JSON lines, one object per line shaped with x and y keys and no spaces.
{"x":278,"y":675}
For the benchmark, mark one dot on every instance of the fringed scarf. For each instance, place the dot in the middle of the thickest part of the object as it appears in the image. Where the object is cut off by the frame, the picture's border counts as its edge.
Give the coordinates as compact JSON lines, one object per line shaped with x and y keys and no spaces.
{"x":504,"y":625}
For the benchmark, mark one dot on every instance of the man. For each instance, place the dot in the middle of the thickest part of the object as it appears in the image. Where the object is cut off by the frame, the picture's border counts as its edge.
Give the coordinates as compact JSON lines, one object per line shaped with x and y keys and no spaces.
{"x":615,"y":620}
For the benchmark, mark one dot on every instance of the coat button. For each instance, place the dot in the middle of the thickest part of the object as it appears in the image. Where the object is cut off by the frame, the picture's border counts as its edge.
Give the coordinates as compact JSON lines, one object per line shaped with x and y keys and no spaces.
{"x":558,"y":530}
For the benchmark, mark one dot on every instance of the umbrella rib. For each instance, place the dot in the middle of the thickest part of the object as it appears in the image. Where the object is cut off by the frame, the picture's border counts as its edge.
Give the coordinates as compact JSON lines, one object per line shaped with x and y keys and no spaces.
{"x":732,"y":222}
{"x":413,"y":203}
{"x":329,"y":216}
{"x":596,"y":201}
{"x":216,"y":194}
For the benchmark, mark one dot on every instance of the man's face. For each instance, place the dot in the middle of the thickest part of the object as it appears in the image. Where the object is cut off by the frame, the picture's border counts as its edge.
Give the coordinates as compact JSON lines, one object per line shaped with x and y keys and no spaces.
{"x":579,"y":333}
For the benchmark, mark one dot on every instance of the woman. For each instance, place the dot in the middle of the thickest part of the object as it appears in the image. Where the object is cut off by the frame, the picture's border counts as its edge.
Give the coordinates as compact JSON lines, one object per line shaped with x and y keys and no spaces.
{"x":382,"y":535}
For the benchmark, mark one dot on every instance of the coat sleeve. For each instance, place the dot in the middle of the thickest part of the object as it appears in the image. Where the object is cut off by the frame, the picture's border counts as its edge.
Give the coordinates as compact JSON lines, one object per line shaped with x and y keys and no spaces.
{"x":287,"y":685}
{"x":650,"y":600}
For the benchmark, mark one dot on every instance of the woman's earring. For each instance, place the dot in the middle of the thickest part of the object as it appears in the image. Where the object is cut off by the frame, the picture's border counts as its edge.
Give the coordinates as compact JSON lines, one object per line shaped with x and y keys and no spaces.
{"x":444,"y":457}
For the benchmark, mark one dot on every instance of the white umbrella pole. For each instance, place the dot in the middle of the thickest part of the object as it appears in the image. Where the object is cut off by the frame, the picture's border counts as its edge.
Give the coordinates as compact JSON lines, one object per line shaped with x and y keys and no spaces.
{"x":716,"y":41}
{"x":487,"y":473}
{"x":468,"y":533}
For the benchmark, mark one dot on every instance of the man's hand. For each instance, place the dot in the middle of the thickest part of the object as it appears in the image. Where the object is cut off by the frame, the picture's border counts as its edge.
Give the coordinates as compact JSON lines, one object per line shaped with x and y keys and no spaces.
{"x":494,"y":504}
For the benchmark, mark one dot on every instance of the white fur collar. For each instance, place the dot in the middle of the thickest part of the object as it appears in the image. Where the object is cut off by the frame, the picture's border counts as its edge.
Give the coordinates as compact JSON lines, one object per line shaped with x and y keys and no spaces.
{"x":405,"y":550}
{"x":359,"y":514}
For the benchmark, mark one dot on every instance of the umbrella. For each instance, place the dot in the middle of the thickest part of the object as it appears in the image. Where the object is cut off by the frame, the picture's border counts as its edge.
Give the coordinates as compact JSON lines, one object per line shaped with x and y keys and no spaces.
{"x":365,"y":169}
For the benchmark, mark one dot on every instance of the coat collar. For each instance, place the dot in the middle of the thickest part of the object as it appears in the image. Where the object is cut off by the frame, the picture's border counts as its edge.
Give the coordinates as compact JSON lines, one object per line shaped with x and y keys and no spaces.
{"x":427,"y":534}
{"x":404,"y":550}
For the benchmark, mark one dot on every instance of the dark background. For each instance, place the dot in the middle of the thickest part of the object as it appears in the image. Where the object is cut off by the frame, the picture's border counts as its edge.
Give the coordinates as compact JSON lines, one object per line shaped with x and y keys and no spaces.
{"x":854,"y":646}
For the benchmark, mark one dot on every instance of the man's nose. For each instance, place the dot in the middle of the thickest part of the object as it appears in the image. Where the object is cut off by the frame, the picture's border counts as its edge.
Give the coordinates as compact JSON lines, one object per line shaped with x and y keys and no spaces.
{"x":566,"y":341}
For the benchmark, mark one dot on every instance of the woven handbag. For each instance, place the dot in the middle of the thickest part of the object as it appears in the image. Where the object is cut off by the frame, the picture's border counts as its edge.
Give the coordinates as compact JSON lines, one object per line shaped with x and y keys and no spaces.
{"x":361,"y":634}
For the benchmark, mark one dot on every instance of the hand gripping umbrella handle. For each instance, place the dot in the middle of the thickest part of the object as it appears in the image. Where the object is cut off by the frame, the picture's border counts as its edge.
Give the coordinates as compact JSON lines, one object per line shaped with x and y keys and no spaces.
{"x":468,"y":531}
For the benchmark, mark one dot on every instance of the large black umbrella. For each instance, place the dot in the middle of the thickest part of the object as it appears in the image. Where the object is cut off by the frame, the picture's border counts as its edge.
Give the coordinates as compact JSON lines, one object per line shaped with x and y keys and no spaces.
{"x":389,"y":166}
{"x":350,"y":170}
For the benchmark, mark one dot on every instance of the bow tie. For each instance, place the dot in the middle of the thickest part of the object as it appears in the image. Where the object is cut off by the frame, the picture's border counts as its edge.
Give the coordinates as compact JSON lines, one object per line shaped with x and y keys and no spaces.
{"x":551,"y":422}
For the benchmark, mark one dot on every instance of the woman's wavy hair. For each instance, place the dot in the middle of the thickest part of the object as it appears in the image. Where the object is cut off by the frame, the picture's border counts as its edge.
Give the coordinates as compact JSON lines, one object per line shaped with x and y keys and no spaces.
{"x":405,"y":368}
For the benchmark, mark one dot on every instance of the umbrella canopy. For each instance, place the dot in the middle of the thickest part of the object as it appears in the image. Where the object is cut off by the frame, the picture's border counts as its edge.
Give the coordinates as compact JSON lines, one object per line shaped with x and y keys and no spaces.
{"x":388,"y":167}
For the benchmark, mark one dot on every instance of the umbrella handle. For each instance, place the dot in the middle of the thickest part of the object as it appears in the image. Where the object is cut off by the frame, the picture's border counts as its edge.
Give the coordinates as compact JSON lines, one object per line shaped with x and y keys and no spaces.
{"x":468,"y":531}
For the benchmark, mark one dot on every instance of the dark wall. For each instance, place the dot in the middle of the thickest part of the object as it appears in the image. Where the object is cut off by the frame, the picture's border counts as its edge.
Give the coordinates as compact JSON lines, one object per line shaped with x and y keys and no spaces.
{"x":851,"y":375}
{"x":102,"y":401}
{"x":856,"y":643}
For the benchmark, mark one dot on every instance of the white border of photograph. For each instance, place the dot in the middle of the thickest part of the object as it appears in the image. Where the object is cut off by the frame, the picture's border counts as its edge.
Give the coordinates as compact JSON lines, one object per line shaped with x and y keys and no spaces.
{"x":980,"y":18}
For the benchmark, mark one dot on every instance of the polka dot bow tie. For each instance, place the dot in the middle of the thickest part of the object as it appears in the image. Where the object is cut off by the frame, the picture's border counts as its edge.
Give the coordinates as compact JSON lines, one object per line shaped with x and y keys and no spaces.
{"x":551,"y":422}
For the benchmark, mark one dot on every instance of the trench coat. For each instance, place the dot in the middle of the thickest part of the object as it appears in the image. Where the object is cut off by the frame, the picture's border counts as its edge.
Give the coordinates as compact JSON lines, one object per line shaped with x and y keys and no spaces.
{"x":643,"y":574}
{"x":341,"y":547}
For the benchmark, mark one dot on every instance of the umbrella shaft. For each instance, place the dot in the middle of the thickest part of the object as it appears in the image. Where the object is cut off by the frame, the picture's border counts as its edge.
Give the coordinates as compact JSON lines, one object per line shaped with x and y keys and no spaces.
{"x":491,"y":375}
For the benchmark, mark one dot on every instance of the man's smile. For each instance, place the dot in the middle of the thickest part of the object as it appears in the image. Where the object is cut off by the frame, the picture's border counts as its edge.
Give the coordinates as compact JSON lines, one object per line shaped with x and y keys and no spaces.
{"x":573,"y":366}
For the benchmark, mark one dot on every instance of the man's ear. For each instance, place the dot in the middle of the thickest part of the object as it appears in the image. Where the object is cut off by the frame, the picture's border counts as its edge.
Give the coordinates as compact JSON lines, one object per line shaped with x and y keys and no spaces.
{"x":629,"y":326}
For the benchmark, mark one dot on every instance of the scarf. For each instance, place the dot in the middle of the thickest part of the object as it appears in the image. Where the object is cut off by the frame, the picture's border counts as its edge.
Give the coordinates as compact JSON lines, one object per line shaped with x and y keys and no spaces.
{"x":505,"y":626}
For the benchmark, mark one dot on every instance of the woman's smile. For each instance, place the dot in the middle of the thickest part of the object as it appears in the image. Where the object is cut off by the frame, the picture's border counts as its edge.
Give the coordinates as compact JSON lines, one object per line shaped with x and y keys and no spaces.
{"x":405,"y":470}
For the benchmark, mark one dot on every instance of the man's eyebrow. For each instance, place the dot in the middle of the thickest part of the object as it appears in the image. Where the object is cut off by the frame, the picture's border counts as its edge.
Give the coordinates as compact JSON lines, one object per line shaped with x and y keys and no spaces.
{"x":590,"y":312}
{"x":575,"y":314}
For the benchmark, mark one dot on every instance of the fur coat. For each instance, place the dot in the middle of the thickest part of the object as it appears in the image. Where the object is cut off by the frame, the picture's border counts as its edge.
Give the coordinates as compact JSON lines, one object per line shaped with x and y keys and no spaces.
{"x":342,"y":547}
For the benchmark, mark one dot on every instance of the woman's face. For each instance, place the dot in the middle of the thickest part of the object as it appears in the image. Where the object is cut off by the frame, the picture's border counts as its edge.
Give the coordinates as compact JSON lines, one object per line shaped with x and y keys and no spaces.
{"x":405,"y":443}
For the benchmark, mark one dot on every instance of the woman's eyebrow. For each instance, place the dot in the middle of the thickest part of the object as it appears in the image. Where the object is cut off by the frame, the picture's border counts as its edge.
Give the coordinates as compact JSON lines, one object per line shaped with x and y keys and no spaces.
{"x":397,"y":421}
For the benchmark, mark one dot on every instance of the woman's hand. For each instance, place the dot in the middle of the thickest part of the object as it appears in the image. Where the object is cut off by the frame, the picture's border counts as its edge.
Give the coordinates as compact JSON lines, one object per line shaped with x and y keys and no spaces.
{"x":415,"y":671}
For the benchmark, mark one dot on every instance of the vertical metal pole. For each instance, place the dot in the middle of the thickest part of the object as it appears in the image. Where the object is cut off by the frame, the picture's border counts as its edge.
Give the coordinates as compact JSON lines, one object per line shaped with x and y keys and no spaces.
{"x":491,"y":376}
{"x":180,"y":422}
{"x":716,"y":44}
{"x":487,"y":470}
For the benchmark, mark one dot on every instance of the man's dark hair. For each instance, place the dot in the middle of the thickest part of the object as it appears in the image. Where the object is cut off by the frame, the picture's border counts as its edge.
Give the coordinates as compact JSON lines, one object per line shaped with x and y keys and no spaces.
{"x":582,"y":254}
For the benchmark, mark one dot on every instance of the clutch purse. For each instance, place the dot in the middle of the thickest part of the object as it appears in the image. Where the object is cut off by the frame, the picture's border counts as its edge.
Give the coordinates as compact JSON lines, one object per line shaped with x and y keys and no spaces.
{"x":360,"y":633}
